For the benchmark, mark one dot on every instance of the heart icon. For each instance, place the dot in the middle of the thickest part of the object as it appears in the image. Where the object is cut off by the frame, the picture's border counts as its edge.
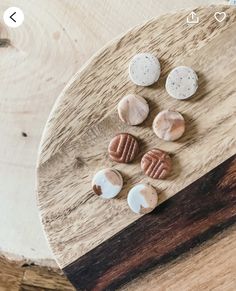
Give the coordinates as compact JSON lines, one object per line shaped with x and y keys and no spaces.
{"x":220,"y":16}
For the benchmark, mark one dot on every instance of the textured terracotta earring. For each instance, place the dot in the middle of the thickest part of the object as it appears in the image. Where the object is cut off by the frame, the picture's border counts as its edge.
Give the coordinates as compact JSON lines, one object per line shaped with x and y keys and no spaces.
{"x":123,"y":148}
{"x":156,"y":164}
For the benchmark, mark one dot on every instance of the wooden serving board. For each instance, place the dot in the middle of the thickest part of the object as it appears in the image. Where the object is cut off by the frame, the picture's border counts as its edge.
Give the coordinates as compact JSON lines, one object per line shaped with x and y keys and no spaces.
{"x":101,"y":244}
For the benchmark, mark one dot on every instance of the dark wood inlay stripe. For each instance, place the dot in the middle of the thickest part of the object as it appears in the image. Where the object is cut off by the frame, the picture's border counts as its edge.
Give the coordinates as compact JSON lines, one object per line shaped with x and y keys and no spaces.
{"x":189,"y":218}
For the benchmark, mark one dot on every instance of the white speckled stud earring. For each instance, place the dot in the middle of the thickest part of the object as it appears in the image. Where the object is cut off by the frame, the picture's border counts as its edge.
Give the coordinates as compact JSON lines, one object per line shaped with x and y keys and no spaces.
{"x":182,"y":83}
{"x":144,"y":69}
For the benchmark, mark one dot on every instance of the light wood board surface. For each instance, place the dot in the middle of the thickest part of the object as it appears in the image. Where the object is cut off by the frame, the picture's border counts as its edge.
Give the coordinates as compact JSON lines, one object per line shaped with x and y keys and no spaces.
{"x":84,"y":120}
{"x":33,"y":73}
{"x":19,"y":276}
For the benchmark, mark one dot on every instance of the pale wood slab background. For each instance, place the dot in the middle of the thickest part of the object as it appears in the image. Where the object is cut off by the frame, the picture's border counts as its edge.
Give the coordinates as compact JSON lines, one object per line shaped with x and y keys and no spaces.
{"x":17,"y":276}
{"x":33,"y":73}
{"x":84,"y":120}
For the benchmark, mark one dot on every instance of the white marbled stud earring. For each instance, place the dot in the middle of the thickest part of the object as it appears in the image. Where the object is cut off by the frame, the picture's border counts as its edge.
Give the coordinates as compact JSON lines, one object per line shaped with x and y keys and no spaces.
{"x":107,"y":183}
{"x":142,"y":198}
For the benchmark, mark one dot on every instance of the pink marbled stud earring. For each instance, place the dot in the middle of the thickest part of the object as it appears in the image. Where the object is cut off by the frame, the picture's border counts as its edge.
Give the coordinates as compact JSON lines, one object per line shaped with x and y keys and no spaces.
{"x":169,"y":125}
{"x":133,"y":109}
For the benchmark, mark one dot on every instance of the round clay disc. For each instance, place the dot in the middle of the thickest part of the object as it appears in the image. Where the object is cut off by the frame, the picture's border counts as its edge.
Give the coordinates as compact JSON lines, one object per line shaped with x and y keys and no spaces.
{"x":123,"y":148}
{"x":182,"y":83}
{"x":156,"y":164}
{"x":107,"y":183}
{"x":144,"y":69}
{"x":133,"y":109}
{"x":169,"y":125}
{"x":142,"y":198}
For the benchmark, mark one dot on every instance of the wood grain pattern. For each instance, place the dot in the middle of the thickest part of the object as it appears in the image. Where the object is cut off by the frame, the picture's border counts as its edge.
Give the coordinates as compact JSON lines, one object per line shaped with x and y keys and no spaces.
{"x":33,"y":73}
{"x":190,"y":217}
{"x":19,"y":276}
{"x":37,"y":60}
{"x":84,"y":119}
{"x":209,"y":266}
